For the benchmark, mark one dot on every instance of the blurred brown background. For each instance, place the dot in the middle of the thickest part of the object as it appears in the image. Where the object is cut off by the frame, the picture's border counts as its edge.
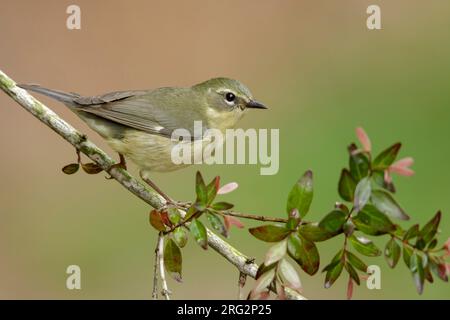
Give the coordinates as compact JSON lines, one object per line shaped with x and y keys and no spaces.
{"x":313,"y":62}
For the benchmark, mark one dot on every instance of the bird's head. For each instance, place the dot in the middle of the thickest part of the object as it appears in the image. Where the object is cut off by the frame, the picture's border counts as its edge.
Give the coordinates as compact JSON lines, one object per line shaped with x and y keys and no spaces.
{"x":226,"y":100}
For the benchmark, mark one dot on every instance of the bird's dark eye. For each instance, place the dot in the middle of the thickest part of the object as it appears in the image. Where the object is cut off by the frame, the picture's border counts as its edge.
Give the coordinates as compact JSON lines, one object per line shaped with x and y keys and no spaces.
{"x":230,"y":97}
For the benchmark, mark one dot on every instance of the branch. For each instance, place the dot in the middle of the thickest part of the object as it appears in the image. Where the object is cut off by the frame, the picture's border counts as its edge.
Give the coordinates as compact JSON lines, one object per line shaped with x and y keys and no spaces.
{"x":155,"y":271}
{"x":81,"y":143}
{"x":162,"y":272}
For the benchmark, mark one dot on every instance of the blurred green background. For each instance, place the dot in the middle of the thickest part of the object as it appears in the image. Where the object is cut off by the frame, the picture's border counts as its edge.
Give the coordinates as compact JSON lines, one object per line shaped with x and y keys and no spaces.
{"x":317,"y":66}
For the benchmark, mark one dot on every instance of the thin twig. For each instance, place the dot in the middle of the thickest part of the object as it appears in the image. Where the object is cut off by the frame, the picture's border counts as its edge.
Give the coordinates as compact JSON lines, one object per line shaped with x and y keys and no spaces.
{"x":241,"y":284}
{"x":252,"y":216}
{"x":81,"y":143}
{"x":155,"y":271}
{"x":162,"y":273}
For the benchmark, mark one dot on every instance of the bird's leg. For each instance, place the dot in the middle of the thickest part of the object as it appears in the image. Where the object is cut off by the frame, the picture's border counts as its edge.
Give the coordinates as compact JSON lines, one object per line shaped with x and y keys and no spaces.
{"x":157,"y":189}
{"x":122,"y":164}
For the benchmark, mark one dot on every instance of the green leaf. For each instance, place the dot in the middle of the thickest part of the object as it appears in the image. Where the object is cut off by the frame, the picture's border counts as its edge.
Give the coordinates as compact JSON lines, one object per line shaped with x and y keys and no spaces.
{"x":428,"y":275}
{"x":180,"y":237}
{"x":304,"y":252}
{"x":384,"y":202}
{"x":429,"y":230}
{"x":387,"y":157}
{"x":432,"y":244}
{"x":289,"y":273}
{"x":346,"y":186}
{"x":359,"y":166}
{"x":362,"y":194}
{"x":91,"y":168}
{"x":392,"y":252}
{"x":211,"y":190}
{"x":378,"y":178}
{"x":411,"y":233}
{"x":293,"y":220}
{"x":333,"y":221}
{"x":301,"y":195}
{"x":217,"y":223}
{"x":348,"y":228}
{"x":263,"y":269}
{"x":416,"y":267}
{"x":173,"y":259}
{"x":341,"y":207}
{"x":156,"y":220}
{"x":371,"y":221}
{"x":420,"y":244}
{"x":333,"y":272}
{"x":220,"y":206}
{"x":200,"y":189}
{"x":191,"y":212}
{"x":198,"y":230}
{"x":174,"y":215}
{"x":269,"y":233}
{"x":276,"y":252}
{"x":71,"y":168}
{"x":356,"y":262}
{"x":352,"y":273}
{"x":338,"y":257}
{"x":313,"y":232}
{"x":407,"y":253}
{"x":364,"y":246}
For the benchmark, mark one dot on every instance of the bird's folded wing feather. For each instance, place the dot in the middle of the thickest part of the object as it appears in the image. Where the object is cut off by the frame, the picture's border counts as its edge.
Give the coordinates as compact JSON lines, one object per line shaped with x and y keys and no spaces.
{"x":149,"y":111}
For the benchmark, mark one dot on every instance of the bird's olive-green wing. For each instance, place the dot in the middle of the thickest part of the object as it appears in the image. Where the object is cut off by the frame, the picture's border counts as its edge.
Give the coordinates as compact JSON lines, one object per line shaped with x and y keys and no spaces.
{"x":159,"y":111}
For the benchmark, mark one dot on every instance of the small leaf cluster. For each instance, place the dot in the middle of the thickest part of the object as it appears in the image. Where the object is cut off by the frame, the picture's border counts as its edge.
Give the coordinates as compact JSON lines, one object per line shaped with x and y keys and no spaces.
{"x":177,"y":228}
{"x":369,"y":209}
{"x":277,"y":272}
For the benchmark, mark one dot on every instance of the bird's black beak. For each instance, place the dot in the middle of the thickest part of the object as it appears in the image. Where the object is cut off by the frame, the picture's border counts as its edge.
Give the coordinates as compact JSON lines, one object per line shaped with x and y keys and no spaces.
{"x":255,"y":105}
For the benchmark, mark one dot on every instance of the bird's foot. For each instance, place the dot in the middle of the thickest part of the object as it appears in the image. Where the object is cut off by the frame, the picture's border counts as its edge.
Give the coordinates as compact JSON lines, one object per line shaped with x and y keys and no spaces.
{"x":121,"y":165}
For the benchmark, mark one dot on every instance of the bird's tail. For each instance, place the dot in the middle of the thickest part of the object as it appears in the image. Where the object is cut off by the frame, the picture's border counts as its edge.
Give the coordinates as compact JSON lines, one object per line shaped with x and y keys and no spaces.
{"x":64,"y":97}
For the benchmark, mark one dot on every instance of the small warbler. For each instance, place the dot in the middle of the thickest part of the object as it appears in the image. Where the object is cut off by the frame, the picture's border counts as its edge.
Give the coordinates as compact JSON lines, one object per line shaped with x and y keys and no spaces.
{"x":139,"y":124}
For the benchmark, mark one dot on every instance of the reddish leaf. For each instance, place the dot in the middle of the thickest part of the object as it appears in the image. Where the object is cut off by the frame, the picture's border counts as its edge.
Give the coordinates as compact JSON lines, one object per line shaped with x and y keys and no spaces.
{"x":232,"y":221}
{"x":229,"y":187}
{"x":349,"y":288}
{"x":269,"y":233}
{"x":71,"y":168}
{"x":156,"y":221}
{"x":364,"y":139}
{"x":165,"y":218}
{"x":91,"y":168}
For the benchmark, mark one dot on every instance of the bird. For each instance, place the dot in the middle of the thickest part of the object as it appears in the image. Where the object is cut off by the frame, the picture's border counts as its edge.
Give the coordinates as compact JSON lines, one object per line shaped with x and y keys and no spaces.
{"x":138,"y":124}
